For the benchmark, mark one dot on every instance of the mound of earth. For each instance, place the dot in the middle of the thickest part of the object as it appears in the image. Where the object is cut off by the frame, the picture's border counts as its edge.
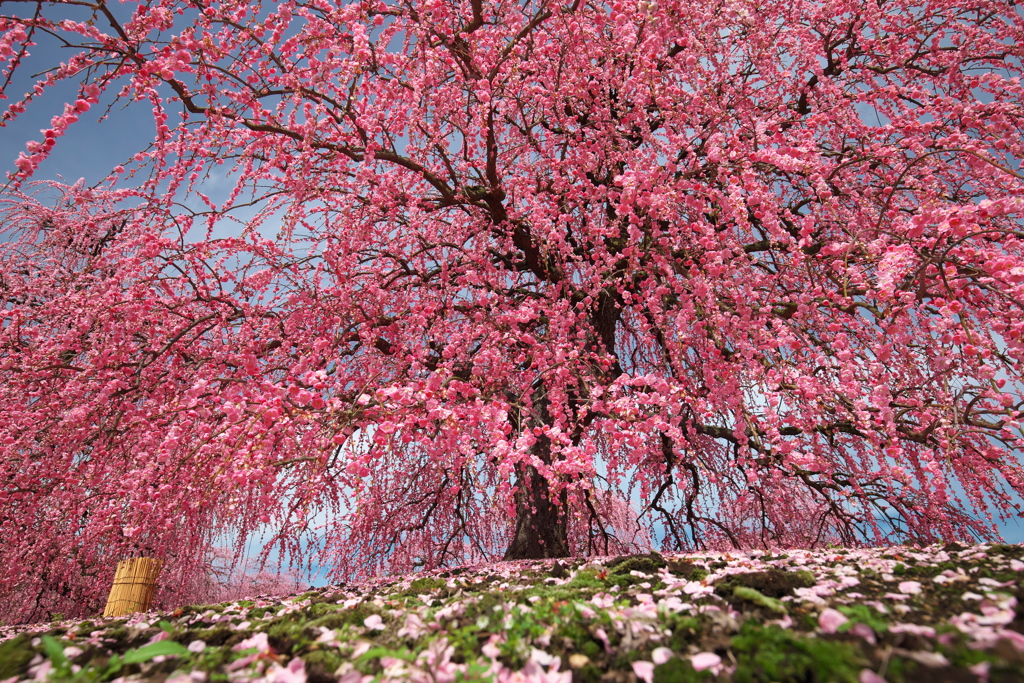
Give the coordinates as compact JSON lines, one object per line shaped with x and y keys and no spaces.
{"x":940,"y":613}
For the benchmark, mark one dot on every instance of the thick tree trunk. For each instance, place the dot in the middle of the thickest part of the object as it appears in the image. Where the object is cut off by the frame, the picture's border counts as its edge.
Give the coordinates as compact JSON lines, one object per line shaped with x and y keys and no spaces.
{"x":542,"y":529}
{"x":541,"y":524}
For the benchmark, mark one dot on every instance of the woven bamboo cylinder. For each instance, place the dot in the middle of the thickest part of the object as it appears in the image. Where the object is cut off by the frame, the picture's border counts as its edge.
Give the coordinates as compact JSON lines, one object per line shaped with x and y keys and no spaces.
{"x":134,"y":585}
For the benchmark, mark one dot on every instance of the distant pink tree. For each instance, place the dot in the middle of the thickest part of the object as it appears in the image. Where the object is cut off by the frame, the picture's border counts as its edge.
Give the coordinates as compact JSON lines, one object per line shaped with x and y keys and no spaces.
{"x":506,"y":270}
{"x":80,"y":491}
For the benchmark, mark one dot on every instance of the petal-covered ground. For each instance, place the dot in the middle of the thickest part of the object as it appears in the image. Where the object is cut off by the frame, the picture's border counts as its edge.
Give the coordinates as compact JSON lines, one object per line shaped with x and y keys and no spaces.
{"x":886,"y":614}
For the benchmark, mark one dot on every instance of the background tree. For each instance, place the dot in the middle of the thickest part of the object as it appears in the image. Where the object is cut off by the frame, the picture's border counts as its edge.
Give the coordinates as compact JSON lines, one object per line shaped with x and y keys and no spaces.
{"x":507,"y":271}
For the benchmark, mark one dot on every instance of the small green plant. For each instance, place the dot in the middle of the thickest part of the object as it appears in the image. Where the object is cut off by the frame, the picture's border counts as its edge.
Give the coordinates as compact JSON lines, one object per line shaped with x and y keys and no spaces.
{"x":55,"y":652}
{"x":864,"y":615}
{"x":148,"y":652}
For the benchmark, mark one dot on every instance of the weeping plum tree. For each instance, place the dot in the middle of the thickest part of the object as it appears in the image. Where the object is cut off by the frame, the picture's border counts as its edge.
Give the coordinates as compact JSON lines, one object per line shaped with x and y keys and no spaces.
{"x":517,"y":279}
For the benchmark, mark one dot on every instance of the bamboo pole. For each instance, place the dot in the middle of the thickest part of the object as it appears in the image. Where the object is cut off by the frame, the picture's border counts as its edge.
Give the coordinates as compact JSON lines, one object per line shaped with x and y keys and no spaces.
{"x":134,"y":585}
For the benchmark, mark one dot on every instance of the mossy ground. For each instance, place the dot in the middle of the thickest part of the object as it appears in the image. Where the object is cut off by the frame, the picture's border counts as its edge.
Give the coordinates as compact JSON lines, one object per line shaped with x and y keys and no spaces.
{"x":933,"y":614}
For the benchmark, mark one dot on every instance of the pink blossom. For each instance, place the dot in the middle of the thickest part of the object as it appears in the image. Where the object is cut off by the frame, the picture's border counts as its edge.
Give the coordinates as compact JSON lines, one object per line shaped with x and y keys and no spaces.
{"x":830,"y":620}
{"x":705,"y":660}
{"x":490,"y":648}
{"x":533,"y":673}
{"x":644,"y":670}
{"x":328,"y":636}
{"x":698,"y":588}
{"x":980,"y":670}
{"x":295,"y":672}
{"x":243,"y":662}
{"x":190,"y":677}
{"x":413,"y":627}
{"x":40,"y":672}
{"x":864,"y":631}
{"x":257,"y":640}
{"x":160,"y":635}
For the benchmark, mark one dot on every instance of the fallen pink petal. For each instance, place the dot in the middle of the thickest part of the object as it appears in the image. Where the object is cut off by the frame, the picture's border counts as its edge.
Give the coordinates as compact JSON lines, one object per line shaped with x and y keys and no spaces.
{"x":705,"y":660}
{"x":869,"y":676}
{"x":830,"y":620}
{"x":644,"y":671}
{"x":374,"y":622}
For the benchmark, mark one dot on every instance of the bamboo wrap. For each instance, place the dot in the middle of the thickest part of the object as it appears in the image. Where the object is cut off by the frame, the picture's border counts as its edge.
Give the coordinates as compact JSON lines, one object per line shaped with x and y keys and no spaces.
{"x":134,"y":585}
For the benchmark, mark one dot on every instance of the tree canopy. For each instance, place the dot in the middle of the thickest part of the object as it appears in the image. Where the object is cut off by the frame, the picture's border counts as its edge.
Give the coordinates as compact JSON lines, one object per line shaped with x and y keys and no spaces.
{"x":512,"y":280}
